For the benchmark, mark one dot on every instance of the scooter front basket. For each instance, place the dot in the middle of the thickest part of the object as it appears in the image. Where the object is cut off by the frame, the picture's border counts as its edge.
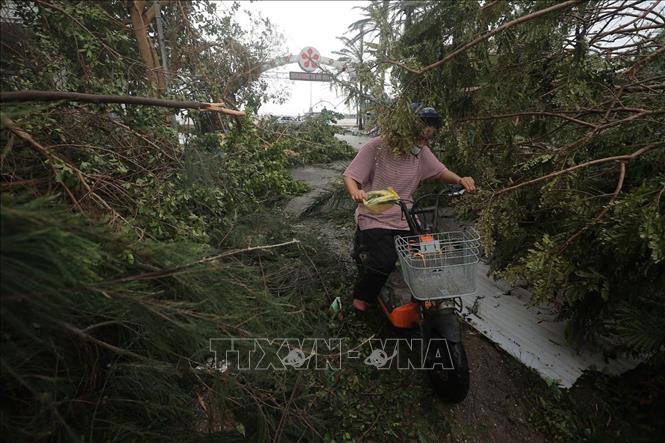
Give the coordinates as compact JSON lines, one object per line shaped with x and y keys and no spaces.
{"x":442,"y":265}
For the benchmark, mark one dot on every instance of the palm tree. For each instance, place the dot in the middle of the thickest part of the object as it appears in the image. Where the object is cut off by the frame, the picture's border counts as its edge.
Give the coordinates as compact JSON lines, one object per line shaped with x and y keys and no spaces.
{"x":352,"y":54}
{"x":372,"y":41}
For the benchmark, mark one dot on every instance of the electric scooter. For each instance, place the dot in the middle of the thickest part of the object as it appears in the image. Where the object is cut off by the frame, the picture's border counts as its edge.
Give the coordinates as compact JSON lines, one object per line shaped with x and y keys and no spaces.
{"x":439,"y":268}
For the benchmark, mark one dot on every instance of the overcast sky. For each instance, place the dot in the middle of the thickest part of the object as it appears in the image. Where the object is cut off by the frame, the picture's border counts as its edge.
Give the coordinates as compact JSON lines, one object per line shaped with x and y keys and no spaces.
{"x":306,"y":23}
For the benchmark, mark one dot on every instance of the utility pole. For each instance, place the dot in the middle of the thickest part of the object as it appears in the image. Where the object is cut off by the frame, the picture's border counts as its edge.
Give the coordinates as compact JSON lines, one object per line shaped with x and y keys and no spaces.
{"x":360,"y":86}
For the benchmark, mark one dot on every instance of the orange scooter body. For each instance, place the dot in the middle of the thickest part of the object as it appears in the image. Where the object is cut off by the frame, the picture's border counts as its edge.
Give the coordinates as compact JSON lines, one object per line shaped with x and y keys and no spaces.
{"x":405,"y":316}
{"x":403,"y":311}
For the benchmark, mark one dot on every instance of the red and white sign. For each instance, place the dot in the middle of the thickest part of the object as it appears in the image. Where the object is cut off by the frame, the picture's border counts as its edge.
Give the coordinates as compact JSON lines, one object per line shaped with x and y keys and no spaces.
{"x":309,"y":59}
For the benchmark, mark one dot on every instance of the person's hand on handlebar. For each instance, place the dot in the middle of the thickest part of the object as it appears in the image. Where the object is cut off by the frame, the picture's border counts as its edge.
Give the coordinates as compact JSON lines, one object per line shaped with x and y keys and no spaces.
{"x":468,"y":183}
{"x":450,"y":177}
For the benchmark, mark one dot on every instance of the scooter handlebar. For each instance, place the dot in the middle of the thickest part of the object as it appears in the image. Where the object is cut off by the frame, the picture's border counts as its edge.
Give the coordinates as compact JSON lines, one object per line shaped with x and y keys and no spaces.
{"x":453,"y":191}
{"x":446,"y":193}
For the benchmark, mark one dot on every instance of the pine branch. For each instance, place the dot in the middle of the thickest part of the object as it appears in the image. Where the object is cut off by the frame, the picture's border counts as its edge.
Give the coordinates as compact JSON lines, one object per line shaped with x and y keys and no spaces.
{"x":487,"y":35}
{"x":531,"y":113}
{"x":9,"y":125}
{"x":622,"y":158}
{"x":169,"y":272}
{"x":601,"y":214}
{"x":631,"y":73}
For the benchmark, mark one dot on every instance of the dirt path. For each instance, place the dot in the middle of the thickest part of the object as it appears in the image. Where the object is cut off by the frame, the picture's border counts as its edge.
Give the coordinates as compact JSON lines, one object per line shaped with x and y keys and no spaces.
{"x":317,"y":177}
{"x":497,"y":408}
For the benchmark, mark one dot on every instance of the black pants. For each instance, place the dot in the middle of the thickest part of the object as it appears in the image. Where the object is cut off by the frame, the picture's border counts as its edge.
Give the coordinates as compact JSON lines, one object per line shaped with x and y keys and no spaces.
{"x":375,"y":255}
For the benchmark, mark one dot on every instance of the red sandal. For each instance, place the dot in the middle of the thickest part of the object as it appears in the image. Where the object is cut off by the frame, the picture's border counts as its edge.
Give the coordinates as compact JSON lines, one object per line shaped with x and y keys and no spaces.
{"x":360,"y":305}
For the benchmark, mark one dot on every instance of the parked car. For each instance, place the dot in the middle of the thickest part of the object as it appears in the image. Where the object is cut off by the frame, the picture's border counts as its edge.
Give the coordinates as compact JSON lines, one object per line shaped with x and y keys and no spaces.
{"x":286,"y":119}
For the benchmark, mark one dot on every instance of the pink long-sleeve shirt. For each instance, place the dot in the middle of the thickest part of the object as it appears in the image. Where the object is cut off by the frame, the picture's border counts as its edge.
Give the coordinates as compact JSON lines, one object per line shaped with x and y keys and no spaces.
{"x":376,"y":168}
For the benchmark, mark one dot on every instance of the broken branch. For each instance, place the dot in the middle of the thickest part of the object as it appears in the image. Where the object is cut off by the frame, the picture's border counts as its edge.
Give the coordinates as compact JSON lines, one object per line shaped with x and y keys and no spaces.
{"x":531,"y":113}
{"x":624,"y":158}
{"x":9,"y":125}
{"x":26,"y":96}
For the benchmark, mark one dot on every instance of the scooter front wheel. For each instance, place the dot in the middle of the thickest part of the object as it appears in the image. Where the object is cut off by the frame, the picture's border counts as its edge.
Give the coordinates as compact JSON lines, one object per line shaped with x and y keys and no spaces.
{"x":449,"y":373}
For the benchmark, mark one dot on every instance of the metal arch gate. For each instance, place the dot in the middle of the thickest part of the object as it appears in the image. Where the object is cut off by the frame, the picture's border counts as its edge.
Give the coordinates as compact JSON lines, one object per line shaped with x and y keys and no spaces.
{"x":309,"y":59}
{"x":298,"y":58}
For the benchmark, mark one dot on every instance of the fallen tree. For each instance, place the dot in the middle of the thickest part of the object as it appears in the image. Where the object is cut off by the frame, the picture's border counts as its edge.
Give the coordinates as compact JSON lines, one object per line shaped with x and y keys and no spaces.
{"x":557,"y":112}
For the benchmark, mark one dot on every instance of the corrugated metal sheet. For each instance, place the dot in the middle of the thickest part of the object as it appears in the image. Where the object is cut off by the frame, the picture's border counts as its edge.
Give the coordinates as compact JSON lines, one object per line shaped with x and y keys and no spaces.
{"x":531,"y":334}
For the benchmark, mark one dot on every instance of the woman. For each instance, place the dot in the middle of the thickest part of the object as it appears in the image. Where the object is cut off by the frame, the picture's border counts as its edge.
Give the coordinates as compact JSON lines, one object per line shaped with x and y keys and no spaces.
{"x":376,"y":167}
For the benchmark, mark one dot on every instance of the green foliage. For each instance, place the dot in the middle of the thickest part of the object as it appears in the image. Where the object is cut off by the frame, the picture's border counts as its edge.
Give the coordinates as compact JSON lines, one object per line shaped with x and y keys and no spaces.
{"x":195,"y":190}
{"x":333,"y":203}
{"x":87,"y":47}
{"x":531,"y":101}
{"x":522,"y":106}
{"x":98,"y":345}
{"x":225,"y":174}
{"x":605,"y":290}
{"x":399,"y":126}
{"x":131,"y":161}
{"x":72,"y":56}
{"x":311,"y":141}
{"x":90,"y":351}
